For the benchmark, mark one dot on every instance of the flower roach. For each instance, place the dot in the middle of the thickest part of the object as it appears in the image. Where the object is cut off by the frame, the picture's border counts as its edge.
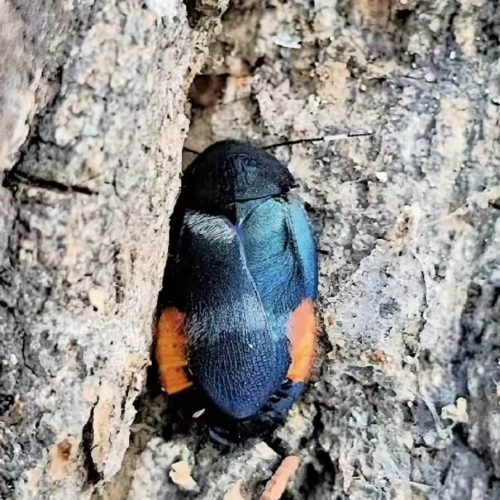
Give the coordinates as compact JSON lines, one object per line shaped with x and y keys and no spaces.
{"x":236,"y":316}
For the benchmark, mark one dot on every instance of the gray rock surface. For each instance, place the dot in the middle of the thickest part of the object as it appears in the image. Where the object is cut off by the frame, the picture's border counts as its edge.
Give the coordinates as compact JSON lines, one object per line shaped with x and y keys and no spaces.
{"x":405,"y":399}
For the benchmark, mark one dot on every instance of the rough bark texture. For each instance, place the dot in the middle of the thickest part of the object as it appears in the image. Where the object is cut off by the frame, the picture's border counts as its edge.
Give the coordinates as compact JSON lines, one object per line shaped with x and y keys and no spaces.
{"x":92,"y":125}
{"x":405,"y":398}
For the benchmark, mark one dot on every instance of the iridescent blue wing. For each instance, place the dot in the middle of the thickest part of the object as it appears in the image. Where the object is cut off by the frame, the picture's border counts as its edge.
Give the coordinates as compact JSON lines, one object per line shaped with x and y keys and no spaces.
{"x":281,"y":256}
{"x":232,"y":355}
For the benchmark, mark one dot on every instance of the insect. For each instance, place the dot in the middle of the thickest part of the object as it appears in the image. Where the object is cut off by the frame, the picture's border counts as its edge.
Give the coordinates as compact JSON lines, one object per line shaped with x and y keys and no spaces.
{"x":237,"y":318}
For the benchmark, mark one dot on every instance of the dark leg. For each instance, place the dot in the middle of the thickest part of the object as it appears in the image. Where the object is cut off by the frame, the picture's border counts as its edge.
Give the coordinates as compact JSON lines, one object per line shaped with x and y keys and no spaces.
{"x":279,"y":404}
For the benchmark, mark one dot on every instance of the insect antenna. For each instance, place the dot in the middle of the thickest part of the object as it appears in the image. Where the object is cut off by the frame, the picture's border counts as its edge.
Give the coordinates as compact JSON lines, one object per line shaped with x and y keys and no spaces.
{"x":332,"y":137}
{"x":189,"y":150}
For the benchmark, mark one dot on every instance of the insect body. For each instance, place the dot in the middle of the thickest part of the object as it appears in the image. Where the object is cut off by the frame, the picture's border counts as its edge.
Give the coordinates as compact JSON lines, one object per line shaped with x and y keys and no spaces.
{"x":237,"y":320}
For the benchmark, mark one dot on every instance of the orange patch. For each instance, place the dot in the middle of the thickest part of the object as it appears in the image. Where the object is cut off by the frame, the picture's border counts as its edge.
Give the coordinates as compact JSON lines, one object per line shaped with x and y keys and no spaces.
{"x":171,"y":351}
{"x":302,"y":335}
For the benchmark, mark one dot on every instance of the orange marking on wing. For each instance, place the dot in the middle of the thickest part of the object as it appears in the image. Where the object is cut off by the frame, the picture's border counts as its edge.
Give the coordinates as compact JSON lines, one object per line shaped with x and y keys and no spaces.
{"x":171,"y":351}
{"x":302,"y":334}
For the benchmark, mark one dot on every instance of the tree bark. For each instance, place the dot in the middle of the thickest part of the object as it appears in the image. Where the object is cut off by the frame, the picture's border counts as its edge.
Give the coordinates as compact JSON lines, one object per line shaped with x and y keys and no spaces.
{"x":405,"y":399}
{"x":92,"y":125}
{"x":404,"y":402}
